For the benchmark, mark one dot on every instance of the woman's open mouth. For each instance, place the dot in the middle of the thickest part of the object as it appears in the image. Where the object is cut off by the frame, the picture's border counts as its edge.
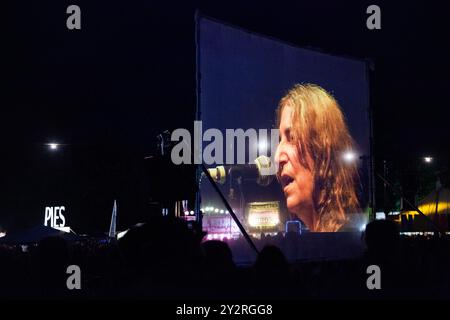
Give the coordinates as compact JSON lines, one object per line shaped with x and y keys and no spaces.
{"x":286,"y":181}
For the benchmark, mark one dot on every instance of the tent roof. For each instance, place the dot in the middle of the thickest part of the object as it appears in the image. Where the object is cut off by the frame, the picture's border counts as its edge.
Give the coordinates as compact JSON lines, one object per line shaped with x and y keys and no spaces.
{"x":428,"y":205}
{"x":35,"y":234}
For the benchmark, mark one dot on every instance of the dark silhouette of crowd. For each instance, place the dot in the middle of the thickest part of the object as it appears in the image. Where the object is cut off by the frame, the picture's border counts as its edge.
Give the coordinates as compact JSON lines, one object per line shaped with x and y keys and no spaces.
{"x":166,"y":259}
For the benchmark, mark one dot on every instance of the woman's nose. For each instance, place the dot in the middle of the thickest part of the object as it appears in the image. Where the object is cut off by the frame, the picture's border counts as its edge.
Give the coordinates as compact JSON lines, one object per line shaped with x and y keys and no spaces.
{"x":280,"y":155}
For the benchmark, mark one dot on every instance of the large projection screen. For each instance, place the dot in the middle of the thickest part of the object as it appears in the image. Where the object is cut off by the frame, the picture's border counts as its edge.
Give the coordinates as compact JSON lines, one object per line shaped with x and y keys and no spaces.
{"x":242,"y":77}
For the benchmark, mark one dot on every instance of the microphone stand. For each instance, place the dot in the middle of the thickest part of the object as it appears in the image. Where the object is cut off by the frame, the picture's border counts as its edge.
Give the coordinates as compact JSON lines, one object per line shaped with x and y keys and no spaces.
{"x":232,"y":193}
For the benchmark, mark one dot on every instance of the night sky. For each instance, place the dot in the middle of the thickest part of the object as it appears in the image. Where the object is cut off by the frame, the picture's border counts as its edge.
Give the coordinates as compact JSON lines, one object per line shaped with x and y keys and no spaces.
{"x":107,"y":90}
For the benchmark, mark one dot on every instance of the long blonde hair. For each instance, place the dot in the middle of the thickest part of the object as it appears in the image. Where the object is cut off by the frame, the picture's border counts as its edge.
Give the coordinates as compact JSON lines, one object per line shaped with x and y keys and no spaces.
{"x":320,"y":131}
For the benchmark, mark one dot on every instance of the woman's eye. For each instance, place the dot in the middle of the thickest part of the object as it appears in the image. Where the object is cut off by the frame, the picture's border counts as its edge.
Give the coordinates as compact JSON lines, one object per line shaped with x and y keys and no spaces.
{"x":290,"y":137}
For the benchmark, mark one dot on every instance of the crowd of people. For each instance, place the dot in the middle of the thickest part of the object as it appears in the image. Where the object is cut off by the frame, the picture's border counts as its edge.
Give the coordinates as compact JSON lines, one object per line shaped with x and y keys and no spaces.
{"x":165,"y":259}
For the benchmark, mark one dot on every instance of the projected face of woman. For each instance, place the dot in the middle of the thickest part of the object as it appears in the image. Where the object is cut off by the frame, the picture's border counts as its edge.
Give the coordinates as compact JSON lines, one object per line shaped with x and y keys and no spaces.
{"x":296,"y":180}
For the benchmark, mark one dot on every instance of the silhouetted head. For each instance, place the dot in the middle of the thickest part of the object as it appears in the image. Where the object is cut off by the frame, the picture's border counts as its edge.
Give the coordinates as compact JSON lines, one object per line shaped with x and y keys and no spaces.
{"x":271,"y":258}
{"x":160,"y":243}
{"x":381,"y":237}
{"x":217,"y":255}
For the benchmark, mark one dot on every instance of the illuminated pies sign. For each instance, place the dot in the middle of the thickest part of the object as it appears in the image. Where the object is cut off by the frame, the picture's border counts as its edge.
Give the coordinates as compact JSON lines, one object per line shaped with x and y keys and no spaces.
{"x":54,"y":217}
{"x":264,"y":214}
